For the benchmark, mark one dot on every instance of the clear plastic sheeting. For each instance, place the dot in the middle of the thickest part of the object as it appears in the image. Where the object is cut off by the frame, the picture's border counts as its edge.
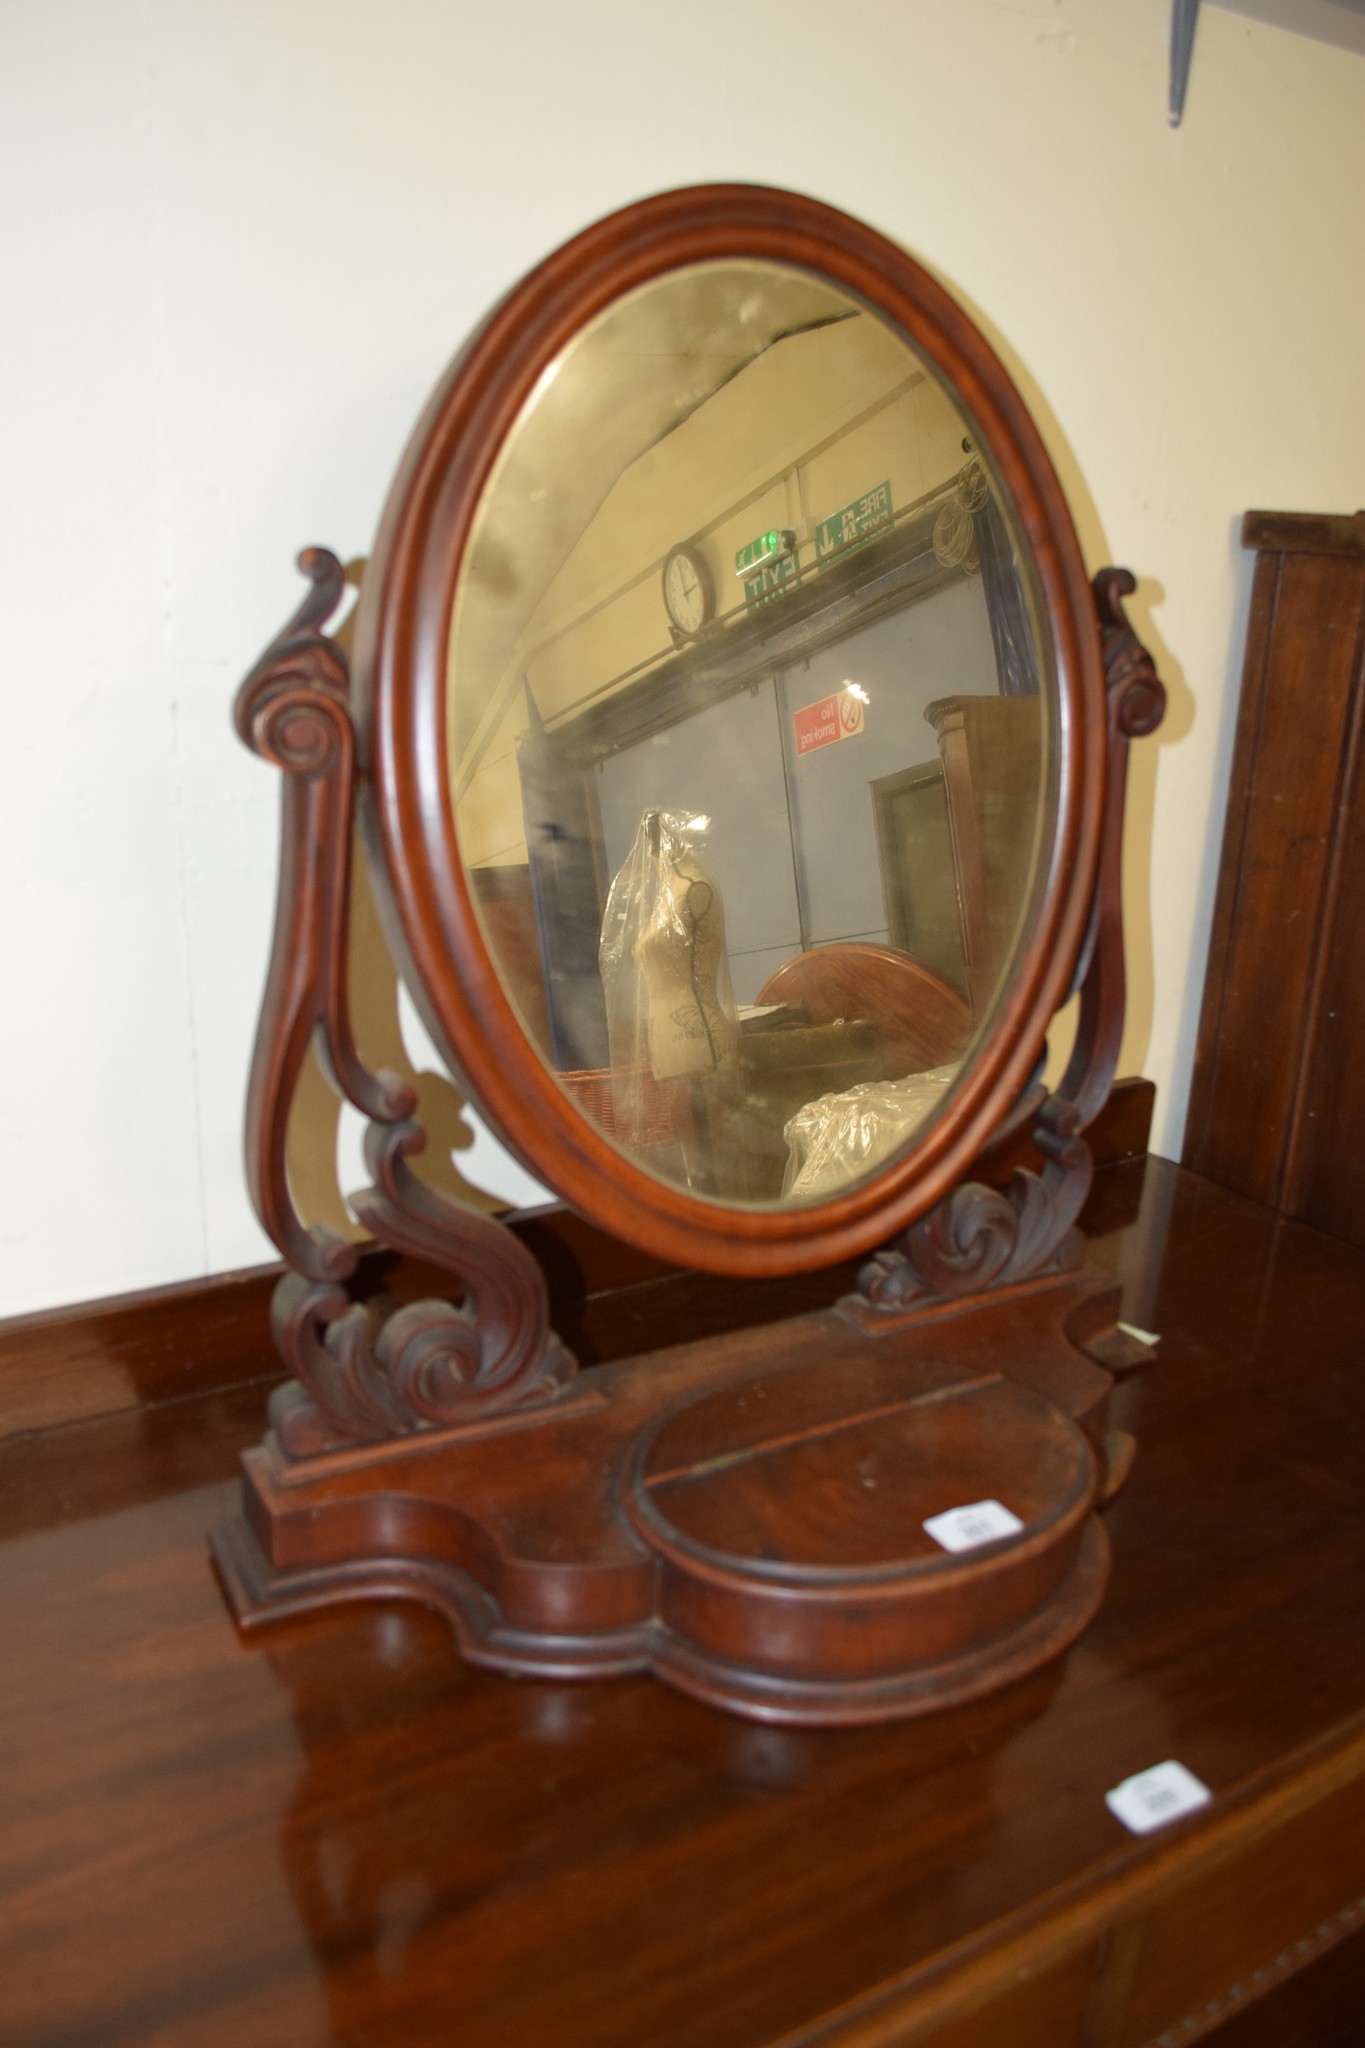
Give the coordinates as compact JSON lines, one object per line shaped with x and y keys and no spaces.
{"x":671,"y":1025}
{"x":838,"y":1139}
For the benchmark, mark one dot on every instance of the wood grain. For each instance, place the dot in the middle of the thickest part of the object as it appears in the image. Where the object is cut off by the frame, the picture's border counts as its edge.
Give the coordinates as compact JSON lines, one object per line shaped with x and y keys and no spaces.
{"x":1277,"y":1106}
{"x":348,"y":1836}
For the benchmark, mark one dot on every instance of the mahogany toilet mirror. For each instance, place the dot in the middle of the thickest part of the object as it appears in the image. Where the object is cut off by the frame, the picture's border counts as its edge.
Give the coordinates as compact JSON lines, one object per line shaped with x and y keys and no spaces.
{"x":738,"y":752}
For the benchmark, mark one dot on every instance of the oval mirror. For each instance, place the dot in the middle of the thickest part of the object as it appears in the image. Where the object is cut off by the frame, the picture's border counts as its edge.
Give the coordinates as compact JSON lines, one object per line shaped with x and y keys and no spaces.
{"x":736,"y":729}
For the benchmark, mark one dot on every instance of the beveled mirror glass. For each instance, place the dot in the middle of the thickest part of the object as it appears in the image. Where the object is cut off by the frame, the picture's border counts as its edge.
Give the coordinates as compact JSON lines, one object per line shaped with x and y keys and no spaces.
{"x":751,"y":731}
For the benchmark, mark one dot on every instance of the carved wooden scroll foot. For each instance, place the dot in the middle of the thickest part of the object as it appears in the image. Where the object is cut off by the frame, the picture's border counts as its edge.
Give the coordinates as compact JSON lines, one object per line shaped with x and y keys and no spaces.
{"x":363,"y":1373}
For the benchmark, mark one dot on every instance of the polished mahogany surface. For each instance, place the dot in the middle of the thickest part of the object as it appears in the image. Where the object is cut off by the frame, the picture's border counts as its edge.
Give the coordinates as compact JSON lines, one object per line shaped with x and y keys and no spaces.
{"x":342,"y":1834}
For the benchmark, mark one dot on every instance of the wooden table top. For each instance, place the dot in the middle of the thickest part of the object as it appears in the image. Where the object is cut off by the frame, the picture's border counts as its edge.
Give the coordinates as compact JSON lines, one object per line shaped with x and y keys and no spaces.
{"x":340,"y":1833}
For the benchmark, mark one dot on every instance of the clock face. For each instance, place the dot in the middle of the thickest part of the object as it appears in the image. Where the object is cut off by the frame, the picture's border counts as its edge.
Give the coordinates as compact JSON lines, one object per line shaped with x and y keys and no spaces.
{"x":688,"y":594}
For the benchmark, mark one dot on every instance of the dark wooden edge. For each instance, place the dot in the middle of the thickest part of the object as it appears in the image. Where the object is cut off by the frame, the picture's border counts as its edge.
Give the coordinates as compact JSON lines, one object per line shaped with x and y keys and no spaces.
{"x":197,"y":1337}
{"x":1296,"y":1171}
{"x":400,"y":674}
{"x":1199,"y":1133}
{"x":1210,"y":1146}
{"x":1305,"y":533}
{"x":962,"y":1982}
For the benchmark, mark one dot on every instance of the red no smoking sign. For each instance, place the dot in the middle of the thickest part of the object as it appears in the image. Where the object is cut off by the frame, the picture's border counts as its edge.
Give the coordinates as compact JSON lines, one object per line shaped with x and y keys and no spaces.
{"x":837,"y":717}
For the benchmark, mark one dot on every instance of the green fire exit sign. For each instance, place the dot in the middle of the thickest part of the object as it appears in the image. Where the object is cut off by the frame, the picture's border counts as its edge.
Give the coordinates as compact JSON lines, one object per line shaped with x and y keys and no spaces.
{"x":872,"y":513}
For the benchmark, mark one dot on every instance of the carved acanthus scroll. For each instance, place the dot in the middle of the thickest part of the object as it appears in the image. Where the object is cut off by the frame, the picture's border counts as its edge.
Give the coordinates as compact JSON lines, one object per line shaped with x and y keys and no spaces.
{"x":362,"y":1374}
{"x":977,"y":1236}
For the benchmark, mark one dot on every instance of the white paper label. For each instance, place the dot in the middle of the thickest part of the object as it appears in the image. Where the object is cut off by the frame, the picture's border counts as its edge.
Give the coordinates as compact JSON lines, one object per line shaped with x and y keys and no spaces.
{"x":1165,"y":1793}
{"x":985,"y":1521}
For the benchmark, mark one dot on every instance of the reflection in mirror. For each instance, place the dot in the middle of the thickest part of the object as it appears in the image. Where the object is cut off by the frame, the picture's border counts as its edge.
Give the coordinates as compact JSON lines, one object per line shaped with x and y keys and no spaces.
{"x":750,"y":732}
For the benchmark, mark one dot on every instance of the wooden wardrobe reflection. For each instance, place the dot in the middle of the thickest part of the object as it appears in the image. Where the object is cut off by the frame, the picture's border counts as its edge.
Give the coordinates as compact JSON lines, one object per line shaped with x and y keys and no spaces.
{"x":982,"y":801}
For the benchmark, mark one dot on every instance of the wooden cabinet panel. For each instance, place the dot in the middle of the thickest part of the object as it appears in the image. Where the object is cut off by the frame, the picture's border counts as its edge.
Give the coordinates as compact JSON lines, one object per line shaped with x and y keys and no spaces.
{"x":1220,"y":1942}
{"x":1326,"y":1169}
{"x":1277,"y":1107}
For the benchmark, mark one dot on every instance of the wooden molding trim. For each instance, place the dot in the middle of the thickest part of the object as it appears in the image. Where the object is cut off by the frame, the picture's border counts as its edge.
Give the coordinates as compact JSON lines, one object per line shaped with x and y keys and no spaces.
{"x":1305,"y":533}
{"x":127,"y":1351}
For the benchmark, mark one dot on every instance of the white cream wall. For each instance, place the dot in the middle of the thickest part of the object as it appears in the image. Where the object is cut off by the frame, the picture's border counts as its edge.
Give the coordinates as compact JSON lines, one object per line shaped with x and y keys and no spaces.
{"x":238,"y":243}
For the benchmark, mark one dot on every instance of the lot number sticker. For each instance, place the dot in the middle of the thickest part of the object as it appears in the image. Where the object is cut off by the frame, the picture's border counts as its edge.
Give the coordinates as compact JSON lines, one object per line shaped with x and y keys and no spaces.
{"x":1153,"y":1798}
{"x":985,"y":1521}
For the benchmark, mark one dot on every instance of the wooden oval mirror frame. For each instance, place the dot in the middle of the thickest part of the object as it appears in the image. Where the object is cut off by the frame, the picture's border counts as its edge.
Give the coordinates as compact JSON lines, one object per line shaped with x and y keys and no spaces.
{"x":400,"y":666}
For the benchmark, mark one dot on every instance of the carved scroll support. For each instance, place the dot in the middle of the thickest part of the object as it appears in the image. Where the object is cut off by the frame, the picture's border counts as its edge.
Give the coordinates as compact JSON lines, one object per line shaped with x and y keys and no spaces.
{"x":978,"y":1237}
{"x":363,"y":1374}
{"x":1136,"y":703}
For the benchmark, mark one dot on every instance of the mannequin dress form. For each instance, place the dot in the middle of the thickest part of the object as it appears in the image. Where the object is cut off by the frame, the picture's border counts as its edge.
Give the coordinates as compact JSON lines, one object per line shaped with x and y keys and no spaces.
{"x":680,"y":953}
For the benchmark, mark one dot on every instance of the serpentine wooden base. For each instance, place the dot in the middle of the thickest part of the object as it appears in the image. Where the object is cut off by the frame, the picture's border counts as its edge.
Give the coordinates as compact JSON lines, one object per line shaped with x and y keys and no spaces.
{"x":741,"y":1515}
